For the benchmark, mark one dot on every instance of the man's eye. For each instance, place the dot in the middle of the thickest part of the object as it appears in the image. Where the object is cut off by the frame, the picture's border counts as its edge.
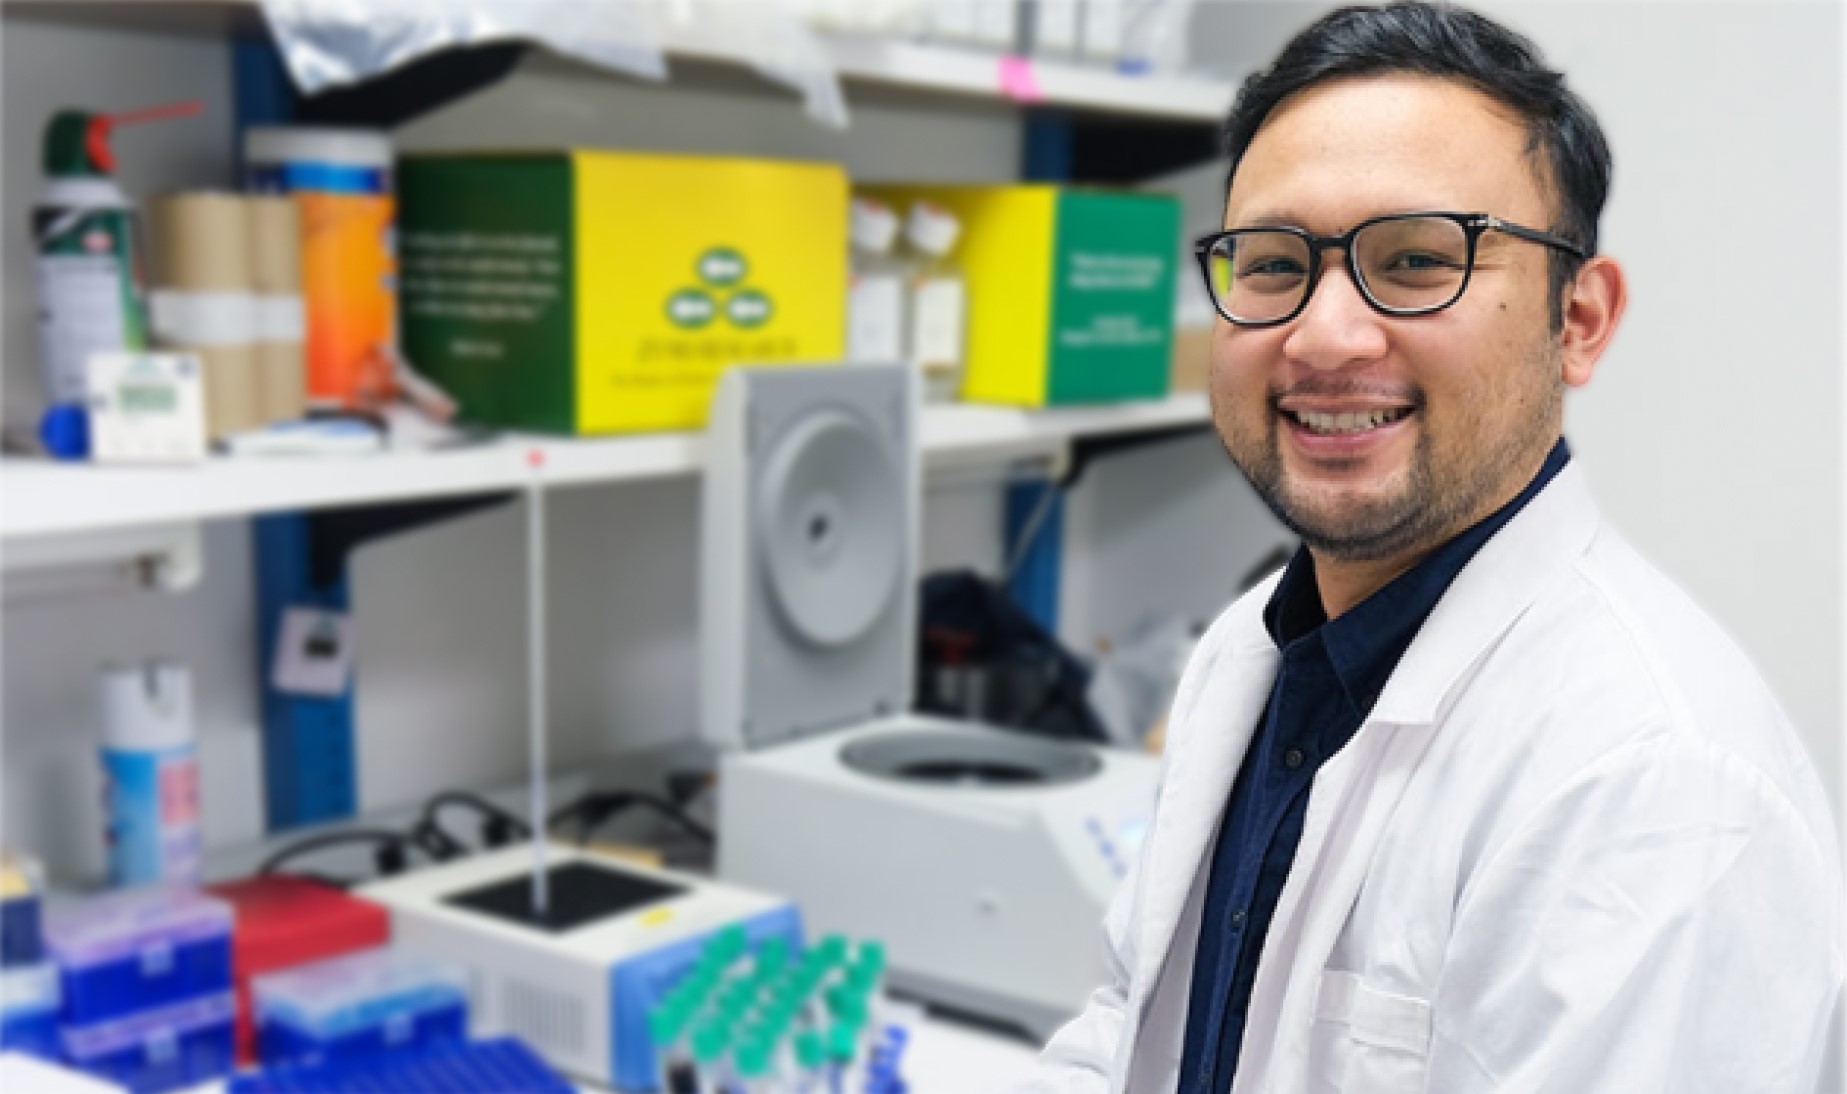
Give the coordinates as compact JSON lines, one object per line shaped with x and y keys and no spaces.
{"x":1271,"y":267}
{"x":1416,"y":261}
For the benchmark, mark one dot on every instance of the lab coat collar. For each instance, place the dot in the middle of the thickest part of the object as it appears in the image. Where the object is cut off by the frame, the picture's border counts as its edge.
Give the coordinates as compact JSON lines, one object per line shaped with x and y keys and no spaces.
{"x":1534,"y":550}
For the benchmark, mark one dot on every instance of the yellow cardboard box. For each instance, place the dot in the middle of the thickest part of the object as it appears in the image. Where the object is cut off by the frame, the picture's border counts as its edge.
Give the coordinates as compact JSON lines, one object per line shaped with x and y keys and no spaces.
{"x":604,"y":292}
{"x":1070,"y":291}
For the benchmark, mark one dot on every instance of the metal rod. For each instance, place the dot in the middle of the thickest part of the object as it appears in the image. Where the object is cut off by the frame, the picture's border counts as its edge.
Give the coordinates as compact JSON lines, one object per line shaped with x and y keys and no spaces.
{"x":535,"y":679}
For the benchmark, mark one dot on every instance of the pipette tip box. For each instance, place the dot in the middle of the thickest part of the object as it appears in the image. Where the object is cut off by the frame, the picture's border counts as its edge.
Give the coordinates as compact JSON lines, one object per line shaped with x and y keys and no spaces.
{"x":159,"y":1049}
{"x":29,"y":1005}
{"x":138,"y":949}
{"x":20,"y":940}
{"x":359,"y":1005}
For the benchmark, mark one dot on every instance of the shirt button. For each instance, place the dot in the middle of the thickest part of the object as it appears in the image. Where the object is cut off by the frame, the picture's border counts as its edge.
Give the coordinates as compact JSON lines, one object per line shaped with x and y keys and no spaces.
{"x":1293,"y":758}
{"x":1237,"y":919}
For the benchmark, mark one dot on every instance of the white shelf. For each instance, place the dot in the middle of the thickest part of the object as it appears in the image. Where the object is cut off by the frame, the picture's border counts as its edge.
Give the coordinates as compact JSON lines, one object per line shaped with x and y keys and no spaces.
{"x":923,"y":68}
{"x":971,"y":73}
{"x":41,"y":497}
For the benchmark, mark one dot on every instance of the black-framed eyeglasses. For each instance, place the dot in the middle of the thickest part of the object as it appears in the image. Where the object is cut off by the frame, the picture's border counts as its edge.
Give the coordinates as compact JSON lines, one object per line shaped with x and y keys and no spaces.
{"x":1403,"y":263}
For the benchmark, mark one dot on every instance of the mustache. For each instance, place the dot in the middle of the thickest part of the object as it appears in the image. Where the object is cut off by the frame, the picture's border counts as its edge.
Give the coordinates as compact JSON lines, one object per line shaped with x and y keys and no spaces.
{"x":1333,"y":387}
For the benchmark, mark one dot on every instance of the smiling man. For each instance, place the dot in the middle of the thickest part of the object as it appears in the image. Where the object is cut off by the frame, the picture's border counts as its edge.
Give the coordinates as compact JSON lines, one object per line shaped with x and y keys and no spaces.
{"x":1469,"y":798}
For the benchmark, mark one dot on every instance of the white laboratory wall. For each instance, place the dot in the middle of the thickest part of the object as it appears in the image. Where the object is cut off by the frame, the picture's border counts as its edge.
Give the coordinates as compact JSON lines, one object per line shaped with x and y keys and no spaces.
{"x":1712,"y":434}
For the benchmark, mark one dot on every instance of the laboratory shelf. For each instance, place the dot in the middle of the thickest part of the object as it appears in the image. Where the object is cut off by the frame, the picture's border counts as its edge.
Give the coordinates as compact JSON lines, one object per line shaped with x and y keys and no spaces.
{"x":927,"y":69}
{"x":43,"y":497}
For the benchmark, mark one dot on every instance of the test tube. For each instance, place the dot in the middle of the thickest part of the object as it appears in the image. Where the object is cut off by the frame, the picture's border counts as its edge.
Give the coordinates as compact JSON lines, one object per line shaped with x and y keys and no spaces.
{"x":673,"y":1054}
{"x":710,"y":1044}
{"x":811,"y":1063}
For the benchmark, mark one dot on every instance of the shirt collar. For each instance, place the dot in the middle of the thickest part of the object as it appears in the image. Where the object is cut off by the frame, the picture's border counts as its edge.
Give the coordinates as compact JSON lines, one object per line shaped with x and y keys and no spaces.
{"x":1365,"y":644}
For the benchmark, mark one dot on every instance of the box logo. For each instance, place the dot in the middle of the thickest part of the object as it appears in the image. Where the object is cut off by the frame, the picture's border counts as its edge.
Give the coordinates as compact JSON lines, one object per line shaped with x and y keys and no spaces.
{"x":691,"y":309}
{"x":748,"y":309}
{"x":722,"y":266}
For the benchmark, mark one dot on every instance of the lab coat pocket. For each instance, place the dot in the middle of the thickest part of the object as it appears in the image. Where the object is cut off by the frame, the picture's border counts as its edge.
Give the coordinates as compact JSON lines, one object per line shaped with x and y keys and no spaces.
{"x":1367,"y":1041}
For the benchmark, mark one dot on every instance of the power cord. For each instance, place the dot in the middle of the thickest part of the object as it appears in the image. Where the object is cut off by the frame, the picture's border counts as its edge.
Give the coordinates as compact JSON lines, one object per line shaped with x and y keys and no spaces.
{"x":596,"y":809}
{"x":498,"y":827}
{"x":389,"y":856}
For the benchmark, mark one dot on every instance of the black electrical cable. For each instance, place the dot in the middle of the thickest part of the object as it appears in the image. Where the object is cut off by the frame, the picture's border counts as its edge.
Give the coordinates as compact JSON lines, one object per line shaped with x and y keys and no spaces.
{"x":430,"y":838}
{"x":595,"y":809}
{"x":514,"y":825}
{"x":387,"y":841}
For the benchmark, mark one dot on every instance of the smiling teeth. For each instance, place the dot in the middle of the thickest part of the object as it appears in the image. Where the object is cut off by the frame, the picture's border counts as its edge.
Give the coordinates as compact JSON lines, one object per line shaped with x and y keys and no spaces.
{"x":1346,"y":423}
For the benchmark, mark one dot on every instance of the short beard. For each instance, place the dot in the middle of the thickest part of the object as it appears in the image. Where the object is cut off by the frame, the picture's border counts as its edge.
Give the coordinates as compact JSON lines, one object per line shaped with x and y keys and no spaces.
{"x":1422,"y":512}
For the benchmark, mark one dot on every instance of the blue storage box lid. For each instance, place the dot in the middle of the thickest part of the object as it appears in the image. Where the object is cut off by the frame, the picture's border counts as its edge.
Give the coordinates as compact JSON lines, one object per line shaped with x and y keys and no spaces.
{"x":29,"y":989}
{"x":148,"y":1028}
{"x":124,"y":924}
{"x":357,"y":991}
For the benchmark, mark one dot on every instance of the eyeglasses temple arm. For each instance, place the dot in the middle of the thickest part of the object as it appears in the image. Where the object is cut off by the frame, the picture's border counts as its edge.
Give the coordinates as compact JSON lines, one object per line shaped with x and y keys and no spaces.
{"x":1529,"y":234}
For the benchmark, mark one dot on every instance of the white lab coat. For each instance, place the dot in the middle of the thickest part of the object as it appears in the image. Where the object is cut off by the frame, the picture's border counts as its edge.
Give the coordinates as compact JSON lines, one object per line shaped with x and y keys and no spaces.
{"x":1574,"y":848}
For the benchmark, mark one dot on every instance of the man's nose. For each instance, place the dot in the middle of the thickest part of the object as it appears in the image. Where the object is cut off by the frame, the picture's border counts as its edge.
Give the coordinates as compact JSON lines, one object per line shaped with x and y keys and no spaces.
{"x":1338,"y":327}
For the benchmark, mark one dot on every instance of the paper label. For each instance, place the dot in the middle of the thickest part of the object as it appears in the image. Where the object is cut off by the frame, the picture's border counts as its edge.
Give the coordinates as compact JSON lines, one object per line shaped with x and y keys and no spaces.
{"x":281,"y":318}
{"x":936,"y":330}
{"x":1017,"y":81}
{"x":153,"y":814}
{"x":314,"y":656}
{"x":80,"y":313}
{"x":875,"y":319}
{"x":200,"y":319}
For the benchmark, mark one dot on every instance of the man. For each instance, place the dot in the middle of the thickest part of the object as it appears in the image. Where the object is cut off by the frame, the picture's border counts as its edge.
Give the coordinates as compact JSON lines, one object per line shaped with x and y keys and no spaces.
{"x":1469,"y":798}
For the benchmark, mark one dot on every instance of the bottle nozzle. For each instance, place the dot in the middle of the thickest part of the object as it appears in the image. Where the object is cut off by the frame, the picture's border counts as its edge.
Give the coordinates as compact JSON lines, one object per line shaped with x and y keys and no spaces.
{"x":97,"y":129}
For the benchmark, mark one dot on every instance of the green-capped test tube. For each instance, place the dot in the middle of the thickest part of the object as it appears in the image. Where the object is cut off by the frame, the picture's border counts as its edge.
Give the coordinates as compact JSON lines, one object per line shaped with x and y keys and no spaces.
{"x":751,"y":1061}
{"x":711,"y":1042}
{"x":842,"y":1047}
{"x":673,"y":1056}
{"x":810,"y":1062}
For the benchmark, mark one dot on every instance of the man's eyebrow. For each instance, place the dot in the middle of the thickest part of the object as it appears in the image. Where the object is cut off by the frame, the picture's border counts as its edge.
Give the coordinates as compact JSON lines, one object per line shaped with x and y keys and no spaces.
{"x":1268,"y":220}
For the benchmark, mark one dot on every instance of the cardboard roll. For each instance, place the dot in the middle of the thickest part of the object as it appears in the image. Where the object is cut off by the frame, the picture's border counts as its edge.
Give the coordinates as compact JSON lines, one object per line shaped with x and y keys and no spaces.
{"x":830,"y":523}
{"x":989,"y":760}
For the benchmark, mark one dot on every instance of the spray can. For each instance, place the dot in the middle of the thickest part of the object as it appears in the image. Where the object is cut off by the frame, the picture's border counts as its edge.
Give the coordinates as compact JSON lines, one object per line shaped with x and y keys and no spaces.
{"x":151,"y":772}
{"x":87,"y":249}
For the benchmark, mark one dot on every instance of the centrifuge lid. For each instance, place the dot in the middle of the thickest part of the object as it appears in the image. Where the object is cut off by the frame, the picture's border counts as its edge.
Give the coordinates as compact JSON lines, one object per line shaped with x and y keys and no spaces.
{"x":924,"y":757}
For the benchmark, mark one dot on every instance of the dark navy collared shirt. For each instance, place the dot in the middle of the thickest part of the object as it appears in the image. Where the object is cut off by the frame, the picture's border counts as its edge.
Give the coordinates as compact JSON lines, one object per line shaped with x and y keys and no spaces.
{"x":1331,"y":675}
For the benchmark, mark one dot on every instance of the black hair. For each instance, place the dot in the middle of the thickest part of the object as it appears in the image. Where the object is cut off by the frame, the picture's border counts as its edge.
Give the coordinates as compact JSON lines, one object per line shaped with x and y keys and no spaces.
{"x":1448,"y":42}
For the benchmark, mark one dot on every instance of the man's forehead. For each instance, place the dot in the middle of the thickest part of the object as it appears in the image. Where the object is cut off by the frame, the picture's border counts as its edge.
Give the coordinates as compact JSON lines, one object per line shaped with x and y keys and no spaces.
{"x":1364,"y":146}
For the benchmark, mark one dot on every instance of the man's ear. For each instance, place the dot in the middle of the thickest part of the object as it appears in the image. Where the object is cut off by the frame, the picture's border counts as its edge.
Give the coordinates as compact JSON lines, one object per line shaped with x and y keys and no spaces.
{"x":1592,"y":308}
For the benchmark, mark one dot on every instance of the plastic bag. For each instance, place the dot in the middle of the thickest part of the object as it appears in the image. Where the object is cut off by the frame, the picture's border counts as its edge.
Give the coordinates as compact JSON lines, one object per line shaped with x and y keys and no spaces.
{"x":770,"y":37}
{"x":330,"y":43}
{"x":1133,"y":683}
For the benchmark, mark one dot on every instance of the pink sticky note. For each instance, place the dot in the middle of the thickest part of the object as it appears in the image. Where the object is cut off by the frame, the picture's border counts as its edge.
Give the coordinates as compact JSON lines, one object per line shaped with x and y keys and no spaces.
{"x":1017,"y":81}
